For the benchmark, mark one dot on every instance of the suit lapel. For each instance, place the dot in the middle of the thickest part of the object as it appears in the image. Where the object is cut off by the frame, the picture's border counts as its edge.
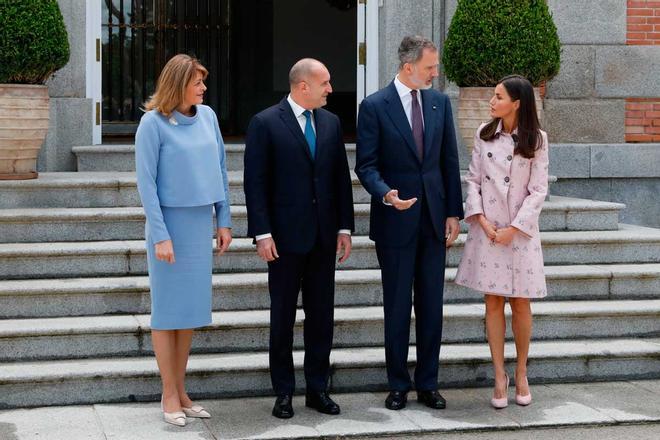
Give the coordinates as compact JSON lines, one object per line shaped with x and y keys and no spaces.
{"x":321,"y":125}
{"x":398,"y":116}
{"x":289,"y":119}
{"x":430,"y":112}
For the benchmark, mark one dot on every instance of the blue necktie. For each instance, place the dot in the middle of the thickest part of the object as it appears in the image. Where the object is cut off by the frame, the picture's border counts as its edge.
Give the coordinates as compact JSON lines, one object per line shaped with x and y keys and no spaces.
{"x":309,"y":133}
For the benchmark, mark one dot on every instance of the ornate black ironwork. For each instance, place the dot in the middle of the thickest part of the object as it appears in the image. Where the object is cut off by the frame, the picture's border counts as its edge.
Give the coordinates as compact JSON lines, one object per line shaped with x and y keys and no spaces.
{"x":139,"y":36}
{"x":342,"y":4}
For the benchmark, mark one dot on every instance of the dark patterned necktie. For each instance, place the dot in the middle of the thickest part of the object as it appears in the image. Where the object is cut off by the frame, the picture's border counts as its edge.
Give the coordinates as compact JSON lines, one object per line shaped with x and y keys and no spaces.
{"x":417,"y":127}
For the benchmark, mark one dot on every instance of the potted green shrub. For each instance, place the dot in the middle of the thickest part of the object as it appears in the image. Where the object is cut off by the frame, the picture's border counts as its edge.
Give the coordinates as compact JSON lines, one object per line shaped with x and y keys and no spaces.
{"x":489,"y":39}
{"x":33,"y":45}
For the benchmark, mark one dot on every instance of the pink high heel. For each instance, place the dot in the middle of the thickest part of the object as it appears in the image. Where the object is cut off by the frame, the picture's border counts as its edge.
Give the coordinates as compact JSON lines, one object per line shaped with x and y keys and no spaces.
{"x":504,"y":401}
{"x":526,"y":399}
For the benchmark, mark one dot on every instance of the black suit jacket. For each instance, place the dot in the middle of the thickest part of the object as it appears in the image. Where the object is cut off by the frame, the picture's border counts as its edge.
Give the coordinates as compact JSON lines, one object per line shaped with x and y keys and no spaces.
{"x":387,"y":159}
{"x":289,"y":194}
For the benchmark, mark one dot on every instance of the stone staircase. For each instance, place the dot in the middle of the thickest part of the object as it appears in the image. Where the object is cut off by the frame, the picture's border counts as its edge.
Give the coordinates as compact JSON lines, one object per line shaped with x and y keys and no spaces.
{"x":74,"y":298}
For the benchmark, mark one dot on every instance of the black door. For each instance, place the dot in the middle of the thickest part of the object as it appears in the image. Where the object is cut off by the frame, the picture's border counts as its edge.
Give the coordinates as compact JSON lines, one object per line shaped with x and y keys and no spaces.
{"x":248,"y":47}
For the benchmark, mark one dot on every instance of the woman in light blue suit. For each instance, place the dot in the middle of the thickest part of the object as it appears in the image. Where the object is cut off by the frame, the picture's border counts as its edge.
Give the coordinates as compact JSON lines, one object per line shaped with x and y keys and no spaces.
{"x":182,"y":178}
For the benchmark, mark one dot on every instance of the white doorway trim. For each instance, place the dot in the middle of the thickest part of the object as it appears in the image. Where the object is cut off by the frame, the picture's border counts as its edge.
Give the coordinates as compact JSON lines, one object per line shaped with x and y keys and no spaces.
{"x":367,"y":49}
{"x":93,"y":65}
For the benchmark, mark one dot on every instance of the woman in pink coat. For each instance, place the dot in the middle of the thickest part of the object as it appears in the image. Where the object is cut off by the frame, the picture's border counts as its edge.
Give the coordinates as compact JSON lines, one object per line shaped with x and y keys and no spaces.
{"x":507,"y":183}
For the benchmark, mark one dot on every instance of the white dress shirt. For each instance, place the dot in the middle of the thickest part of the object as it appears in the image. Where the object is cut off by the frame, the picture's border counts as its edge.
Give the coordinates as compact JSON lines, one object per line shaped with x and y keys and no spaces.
{"x":298,"y":113}
{"x":406,"y":99}
{"x":302,"y":121}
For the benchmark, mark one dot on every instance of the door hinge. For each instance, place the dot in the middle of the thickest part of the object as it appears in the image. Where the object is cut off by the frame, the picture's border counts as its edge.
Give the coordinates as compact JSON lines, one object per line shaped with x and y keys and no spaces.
{"x":362,"y":54}
{"x":98,"y":113}
{"x":98,"y":50}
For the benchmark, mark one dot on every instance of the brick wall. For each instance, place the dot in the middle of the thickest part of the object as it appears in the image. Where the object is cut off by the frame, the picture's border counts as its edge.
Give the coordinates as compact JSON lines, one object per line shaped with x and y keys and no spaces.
{"x":643,"y":22}
{"x":643,"y":120}
{"x":643,"y":29}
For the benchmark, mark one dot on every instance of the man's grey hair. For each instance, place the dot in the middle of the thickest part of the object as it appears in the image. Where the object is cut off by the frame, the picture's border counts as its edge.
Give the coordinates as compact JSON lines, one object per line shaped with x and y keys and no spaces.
{"x":302,"y":69}
{"x":412,"y":48}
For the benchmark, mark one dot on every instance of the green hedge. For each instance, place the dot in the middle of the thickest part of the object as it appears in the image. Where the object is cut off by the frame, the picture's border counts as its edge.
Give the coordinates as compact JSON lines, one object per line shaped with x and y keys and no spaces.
{"x":33,"y":41}
{"x":489,"y":39}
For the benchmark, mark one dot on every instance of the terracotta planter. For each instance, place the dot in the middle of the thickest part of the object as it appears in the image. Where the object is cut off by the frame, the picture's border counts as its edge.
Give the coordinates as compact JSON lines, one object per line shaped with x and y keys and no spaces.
{"x":24,"y":119}
{"x":474,"y":109}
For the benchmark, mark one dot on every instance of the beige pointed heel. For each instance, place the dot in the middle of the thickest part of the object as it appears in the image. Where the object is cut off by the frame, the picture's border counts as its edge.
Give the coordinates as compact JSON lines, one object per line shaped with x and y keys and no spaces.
{"x":196,"y":412}
{"x":177,"y":418}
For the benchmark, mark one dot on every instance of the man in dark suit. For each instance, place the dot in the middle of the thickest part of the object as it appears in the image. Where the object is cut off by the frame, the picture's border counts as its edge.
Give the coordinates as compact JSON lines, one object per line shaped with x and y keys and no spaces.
{"x":300,"y":212}
{"x":407,"y":161}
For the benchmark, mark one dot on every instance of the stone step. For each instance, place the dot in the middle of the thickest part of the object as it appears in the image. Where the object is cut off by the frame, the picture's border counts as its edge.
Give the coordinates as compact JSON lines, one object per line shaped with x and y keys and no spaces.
{"x":67,"y":382}
{"x":105,"y":157}
{"x":103,"y":189}
{"x":115,"y":157}
{"x":355,"y":327}
{"x":249,"y":291}
{"x":628,"y":244}
{"x":127,"y":223}
{"x":110,"y":189}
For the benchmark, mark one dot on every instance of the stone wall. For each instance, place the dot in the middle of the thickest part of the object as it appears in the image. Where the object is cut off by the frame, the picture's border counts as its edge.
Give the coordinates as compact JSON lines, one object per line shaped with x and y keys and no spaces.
{"x":601,"y":67}
{"x":589,"y":105}
{"x":398,"y":18}
{"x":605,"y":95}
{"x":70,"y":110}
{"x":625,"y":173}
{"x":606,"y":62}
{"x":643,"y":29}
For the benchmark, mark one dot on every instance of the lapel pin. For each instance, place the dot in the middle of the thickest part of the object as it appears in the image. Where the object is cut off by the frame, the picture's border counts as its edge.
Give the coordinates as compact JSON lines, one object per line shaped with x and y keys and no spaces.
{"x":434,"y":107}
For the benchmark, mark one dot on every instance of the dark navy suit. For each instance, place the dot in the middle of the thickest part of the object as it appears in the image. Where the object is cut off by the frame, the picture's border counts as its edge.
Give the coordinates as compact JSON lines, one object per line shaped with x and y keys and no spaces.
{"x":410,"y":244}
{"x":303,"y":202}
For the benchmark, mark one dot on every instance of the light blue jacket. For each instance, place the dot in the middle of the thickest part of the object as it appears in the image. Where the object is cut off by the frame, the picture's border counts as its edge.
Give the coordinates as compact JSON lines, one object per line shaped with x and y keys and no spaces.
{"x":180,"y":161}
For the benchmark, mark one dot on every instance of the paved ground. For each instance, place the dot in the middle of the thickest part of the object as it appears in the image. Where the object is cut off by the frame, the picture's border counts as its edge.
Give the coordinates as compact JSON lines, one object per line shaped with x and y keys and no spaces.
{"x":619,"y":432}
{"x":600,"y":411}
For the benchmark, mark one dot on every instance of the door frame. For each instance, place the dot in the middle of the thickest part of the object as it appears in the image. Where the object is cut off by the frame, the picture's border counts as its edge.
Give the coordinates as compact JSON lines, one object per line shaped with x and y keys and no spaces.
{"x":367,"y":49}
{"x":93,"y":84}
{"x":366,"y":53}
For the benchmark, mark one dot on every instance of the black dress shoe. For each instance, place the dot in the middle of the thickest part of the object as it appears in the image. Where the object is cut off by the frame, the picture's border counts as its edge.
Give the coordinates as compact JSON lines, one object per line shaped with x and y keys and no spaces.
{"x":321,"y":402}
{"x":432,"y":399}
{"x":396,"y":400}
{"x":283,"y":408}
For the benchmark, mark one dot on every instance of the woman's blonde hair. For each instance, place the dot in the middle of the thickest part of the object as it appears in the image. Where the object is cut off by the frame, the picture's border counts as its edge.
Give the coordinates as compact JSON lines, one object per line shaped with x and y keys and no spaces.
{"x":179,"y":71}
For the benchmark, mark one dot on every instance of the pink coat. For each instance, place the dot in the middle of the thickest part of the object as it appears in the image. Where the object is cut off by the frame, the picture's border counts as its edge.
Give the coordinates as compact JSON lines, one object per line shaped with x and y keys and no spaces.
{"x":509,"y":190}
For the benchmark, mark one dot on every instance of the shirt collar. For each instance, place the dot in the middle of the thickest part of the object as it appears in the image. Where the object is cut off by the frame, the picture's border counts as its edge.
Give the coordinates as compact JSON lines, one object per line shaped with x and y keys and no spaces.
{"x":297,"y":109}
{"x":500,"y":127}
{"x":401,"y":88}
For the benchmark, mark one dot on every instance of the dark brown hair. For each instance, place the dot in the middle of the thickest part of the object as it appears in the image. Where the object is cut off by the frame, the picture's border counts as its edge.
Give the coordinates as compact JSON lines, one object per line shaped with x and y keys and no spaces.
{"x":529,"y":137}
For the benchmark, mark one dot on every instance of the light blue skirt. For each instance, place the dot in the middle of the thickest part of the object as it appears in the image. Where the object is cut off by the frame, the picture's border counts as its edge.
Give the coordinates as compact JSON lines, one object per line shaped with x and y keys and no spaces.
{"x":181,"y":292}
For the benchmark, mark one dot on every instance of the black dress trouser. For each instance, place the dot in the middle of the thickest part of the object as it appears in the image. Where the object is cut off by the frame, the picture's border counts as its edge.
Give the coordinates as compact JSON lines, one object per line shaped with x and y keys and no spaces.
{"x":314,"y":274}
{"x":419,"y":268}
